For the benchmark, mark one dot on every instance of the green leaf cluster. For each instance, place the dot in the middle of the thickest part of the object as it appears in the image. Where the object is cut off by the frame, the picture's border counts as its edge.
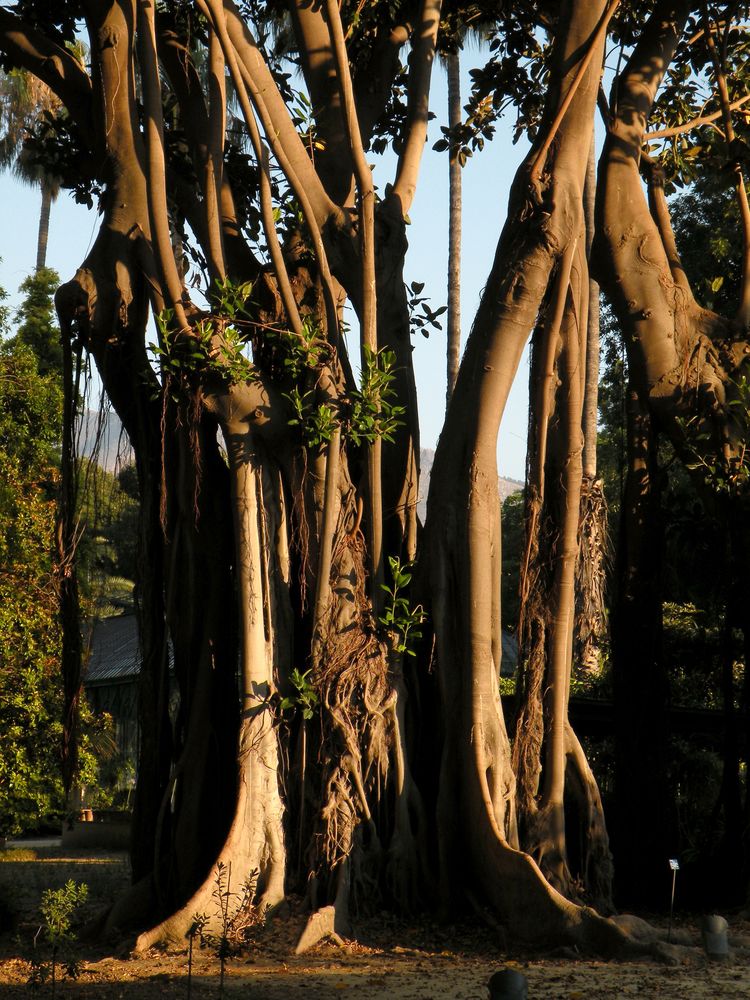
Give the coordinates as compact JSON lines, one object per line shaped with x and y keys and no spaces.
{"x":30,"y":636}
{"x":37,"y":327}
{"x":368,"y":414}
{"x":421,"y":315}
{"x":373,"y":412}
{"x":182,"y":356}
{"x":58,"y":910}
{"x":30,"y":692}
{"x":305,"y":699}
{"x":400,"y":618}
{"x":317,"y":422}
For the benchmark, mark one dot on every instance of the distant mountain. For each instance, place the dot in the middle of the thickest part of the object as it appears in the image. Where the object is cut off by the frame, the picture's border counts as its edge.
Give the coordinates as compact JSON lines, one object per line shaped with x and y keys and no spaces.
{"x":102,"y":436}
{"x":506,"y":487}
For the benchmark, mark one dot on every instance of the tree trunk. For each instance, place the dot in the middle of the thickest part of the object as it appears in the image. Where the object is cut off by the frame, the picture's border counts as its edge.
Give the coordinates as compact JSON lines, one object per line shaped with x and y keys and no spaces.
{"x":252,"y":549}
{"x":642,"y":810}
{"x":591,"y":568}
{"x":463,"y":512}
{"x":253,"y":852}
{"x":453,"y":324}
{"x":44,"y":214}
{"x":685,"y":363}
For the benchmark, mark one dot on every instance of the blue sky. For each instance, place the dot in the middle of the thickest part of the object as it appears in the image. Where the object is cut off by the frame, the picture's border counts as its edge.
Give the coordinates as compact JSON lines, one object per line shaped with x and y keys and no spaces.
{"x":486,"y":181}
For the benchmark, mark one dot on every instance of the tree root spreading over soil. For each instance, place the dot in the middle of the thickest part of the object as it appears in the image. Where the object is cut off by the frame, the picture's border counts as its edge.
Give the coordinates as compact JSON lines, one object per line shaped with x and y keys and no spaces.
{"x":411,"y":962}
{"x":416,"y":960}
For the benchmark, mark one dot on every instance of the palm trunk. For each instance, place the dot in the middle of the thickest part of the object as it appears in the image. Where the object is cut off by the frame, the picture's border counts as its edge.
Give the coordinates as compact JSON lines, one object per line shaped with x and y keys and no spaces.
{"x":42,"y":238}
{"x":454,"y":228}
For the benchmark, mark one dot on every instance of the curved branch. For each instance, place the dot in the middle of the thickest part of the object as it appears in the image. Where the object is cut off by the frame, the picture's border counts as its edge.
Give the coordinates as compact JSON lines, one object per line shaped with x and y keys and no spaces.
{"x":274,"y":116}
{"x":593,"y":46}
{"x":373,"y":80}
{"x":420,"y":74}
{"x":628,"y":246}
{"x":183,"y":77}
{"x":214,"y":168}
{"x":204,"y":131}
{"x":657,"y":201}
{"x":318,"y":65}
{"x":54,"y":65}
{"x":261,"y":154}
{"x":216,"y":12}
{"x":157,"y":191}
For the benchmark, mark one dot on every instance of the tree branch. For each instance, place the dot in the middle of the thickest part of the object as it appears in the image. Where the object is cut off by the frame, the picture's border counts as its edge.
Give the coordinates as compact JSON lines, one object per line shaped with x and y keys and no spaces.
{"x":54,"y":65}
{"x":333,"y":162}
{"x":157,"y":191}
{"x":205,"y":133}
{"x":541,"y":157}
{"x":667,"y":133}
{"x":630,"y":251}
{"x":657,"y":202}
{"x":214,"y":168}
{"x":420,"y":73}
{"x":217,"y":21}
{"x":373,"y":79}
{"x":368,"y":319}
{"x":743,"y":313}
{"x":274,"y":117}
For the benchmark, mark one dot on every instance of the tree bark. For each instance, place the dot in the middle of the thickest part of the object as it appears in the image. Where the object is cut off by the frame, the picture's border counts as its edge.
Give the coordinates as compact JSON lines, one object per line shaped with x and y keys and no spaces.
{"x":44,"y":214}
{"x":453,"y":323}
{"x":463,"y":506}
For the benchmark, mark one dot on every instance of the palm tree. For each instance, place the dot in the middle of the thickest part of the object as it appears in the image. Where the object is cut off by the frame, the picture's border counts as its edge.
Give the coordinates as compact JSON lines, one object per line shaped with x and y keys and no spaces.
{"x":23,"y":101}
{"x":453,"y":67}
{"x":471,"y":28}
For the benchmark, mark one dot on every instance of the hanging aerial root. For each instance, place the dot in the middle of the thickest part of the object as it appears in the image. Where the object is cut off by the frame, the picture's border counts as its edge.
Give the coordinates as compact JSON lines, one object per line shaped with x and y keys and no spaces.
{"x":533,"y":629}
{"x":362,"y":823}
{"x":591,"y":578}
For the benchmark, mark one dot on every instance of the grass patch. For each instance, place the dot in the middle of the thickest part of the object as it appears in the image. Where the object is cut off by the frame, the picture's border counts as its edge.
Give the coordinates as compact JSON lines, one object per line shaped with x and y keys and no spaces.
{"x":18,"y":854}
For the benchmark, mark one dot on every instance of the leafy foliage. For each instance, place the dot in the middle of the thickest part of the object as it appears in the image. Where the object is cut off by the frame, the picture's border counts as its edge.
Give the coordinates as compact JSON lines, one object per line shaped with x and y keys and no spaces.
{"x":399,"y":616}
{"x":374,"y":414}
{"x":305,"y":697}
{"x":58,"y":910}
{"x":706,"y":224}
{"x":30,"y":639}
{"x":515,"y":76}
{"x":37,"y":327}
{"x":30,"y":700}
{"x":421,"y":316}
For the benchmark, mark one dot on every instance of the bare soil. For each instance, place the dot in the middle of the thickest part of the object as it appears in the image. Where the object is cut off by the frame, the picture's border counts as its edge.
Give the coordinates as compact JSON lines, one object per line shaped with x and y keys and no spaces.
{"x":407,"y":961}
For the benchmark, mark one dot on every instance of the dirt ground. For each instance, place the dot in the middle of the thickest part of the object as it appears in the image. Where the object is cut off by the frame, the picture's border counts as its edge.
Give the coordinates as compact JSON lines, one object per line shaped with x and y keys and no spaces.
{"x":406,"y":961}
